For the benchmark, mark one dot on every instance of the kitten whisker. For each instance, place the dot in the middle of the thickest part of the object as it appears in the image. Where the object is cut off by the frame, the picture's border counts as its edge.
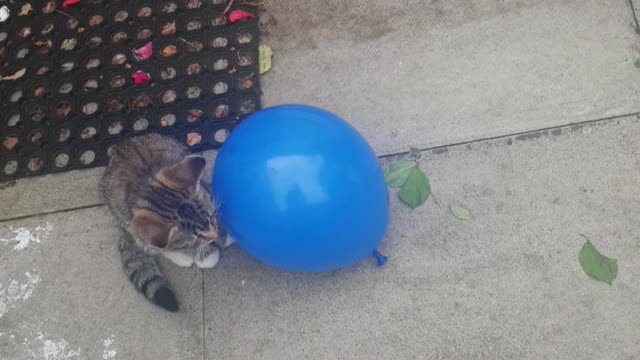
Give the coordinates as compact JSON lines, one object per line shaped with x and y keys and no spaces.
{"x":201,"y":252}
{"x":217,"y":204}
{"x":197,"y":258}
{"x":196,"y":254}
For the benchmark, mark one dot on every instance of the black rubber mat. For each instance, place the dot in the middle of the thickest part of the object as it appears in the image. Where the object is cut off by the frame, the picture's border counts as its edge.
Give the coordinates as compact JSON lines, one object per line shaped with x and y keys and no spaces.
{"x":90,"y":73}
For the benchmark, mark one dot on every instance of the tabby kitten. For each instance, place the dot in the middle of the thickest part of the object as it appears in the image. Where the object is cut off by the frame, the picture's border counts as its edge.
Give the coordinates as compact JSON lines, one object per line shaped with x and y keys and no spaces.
{"x":152,"y":187}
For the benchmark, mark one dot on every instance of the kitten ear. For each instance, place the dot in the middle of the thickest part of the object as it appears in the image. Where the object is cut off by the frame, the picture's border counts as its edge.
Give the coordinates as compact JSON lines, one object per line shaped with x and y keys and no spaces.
{"x":149,"y":228}
{"x":183,"y":175}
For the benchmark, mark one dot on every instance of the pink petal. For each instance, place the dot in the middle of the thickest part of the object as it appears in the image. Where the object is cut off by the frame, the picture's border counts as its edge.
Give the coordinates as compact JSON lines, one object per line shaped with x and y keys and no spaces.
{"x":240,"y":15}
{"x":144,"y":52}
{"x":68,"y":3}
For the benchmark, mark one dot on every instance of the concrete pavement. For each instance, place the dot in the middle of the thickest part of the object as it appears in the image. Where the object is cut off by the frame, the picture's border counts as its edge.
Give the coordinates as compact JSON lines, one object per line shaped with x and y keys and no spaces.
{"x":63,"y":295}
{"x":428,"y":73}
{"x":506,"y":284}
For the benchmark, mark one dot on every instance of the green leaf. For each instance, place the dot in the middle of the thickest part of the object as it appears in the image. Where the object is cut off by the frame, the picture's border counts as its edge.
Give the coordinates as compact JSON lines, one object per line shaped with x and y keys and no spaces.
{"x":597,"y":265}
{"x":415,"y":153}
{"x":416,"y":188}
{"x":460,"y":212}
{"x":396,"y":172}
{"x":264,"y":58}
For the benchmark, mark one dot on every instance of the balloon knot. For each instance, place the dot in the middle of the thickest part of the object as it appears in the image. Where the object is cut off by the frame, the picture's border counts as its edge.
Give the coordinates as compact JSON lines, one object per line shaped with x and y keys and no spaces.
{"x":380,"y":259}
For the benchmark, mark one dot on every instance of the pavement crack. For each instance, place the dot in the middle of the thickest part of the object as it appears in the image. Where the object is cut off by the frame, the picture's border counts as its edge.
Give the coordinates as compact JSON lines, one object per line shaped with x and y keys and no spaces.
{"x":22,"y":217}
{"x":522,"y":133}
{"x":635,"y":17}
{"x":204,"y":326}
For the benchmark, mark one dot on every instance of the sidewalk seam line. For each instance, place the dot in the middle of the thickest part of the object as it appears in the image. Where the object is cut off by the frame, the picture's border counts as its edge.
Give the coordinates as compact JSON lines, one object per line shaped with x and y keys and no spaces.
{"x":635,"y":17}
{"x":22,"y":217}
{"x":505,"y":136}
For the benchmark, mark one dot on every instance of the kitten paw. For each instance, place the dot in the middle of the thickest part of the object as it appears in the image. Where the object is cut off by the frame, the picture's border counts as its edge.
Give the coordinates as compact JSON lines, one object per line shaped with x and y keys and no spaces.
{"x":179,"y":258}
{"x":210,"y":261}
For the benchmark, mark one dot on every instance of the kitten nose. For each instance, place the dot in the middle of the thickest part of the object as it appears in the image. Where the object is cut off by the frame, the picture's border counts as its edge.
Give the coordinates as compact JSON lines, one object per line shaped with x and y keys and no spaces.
{"x":212,"y":234}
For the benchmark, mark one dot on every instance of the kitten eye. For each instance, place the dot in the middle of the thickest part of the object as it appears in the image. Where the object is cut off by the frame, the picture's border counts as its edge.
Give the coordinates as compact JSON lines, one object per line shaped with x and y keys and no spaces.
{"x":200,"y":232}
{"x":196,"y":234}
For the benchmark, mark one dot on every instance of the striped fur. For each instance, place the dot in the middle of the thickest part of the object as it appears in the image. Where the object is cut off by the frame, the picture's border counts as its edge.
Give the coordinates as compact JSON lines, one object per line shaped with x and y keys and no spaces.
{"x":151,"y":187}
{"x":143,"y":271}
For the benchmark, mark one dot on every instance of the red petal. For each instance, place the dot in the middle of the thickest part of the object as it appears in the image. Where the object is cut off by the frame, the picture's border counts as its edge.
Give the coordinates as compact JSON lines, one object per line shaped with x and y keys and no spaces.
{"x":68,"y":3}
{"x":240,"y":15}
{"x":140,"y":77}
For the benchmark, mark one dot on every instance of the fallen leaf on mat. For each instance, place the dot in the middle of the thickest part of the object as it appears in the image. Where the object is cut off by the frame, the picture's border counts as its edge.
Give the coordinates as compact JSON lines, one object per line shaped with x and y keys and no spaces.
{"x":17,"y":75}
{"x":4,"y":13}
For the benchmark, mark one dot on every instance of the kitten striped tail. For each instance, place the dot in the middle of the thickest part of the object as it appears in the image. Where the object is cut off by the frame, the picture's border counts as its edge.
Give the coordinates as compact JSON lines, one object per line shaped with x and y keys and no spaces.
{"x":144,"y":272}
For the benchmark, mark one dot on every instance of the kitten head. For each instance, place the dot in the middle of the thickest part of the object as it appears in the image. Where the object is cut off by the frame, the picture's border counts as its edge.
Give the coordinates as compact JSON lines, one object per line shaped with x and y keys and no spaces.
{"x":174,"y":212}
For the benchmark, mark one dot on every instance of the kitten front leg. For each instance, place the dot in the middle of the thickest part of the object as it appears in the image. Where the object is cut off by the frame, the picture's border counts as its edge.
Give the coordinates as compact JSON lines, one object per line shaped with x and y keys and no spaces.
{"x":179,"y":258}
{"x":210,"y":258}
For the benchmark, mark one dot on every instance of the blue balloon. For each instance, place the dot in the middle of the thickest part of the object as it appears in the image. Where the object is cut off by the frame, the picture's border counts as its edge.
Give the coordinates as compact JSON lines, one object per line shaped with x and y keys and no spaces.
{"x":301,"y":190}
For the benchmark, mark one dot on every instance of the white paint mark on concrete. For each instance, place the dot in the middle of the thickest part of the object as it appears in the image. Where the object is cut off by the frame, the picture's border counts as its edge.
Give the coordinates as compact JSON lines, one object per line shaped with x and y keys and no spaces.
{"x":51,"y":349}
{"x":38,"y":345}
{"x":109,"y":352}
{"x":25,"y":236}
{"x":17,"y":291}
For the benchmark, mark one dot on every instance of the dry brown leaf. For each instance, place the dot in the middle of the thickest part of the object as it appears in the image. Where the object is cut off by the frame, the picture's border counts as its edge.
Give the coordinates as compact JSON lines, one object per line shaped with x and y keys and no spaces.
{"x":10,"y":142}
{"x":193,"y":138}
{"x":17,"y":75}
{"x":168,"y":28}
{"x":43,"y":43}
{"x":25,"y":10}
{"x":169,"y":50}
